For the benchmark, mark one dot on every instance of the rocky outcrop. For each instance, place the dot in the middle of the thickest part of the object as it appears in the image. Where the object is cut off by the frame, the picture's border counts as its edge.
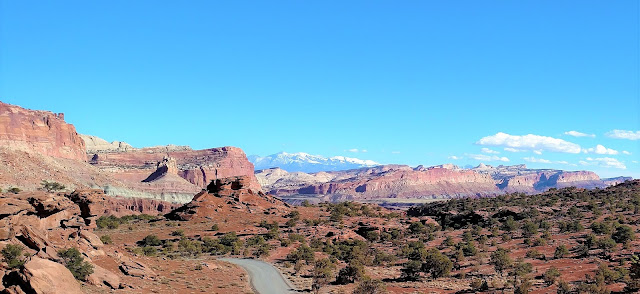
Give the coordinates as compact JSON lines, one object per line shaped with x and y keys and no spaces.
{"x":41,"y":132}
{"x":98,"y":145}
{"x":175,"y":171}
{"x":44,"y":223}
{"x":95,"y":203}
{"x":101,"y":276}
{"x":166,"y":167}
{"x":228,"y":194}
{"x":43,"y":276}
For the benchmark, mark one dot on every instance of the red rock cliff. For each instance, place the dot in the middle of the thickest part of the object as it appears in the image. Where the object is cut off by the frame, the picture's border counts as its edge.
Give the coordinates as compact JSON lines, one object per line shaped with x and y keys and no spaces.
{"x":40,"y":132}
{"x":403,"y":182}
{"x":198,"y":167}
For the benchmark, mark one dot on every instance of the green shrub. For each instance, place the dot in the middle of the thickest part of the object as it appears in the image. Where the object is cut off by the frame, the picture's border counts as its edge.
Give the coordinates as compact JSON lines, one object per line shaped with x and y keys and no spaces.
{"x":262,"y":250}
{"x":189,"y":248}
{"x":151,"y":240}
{"x":106,"y":239}
{"x":214,"y":227}
{"x":501,"y":260}
{"x":149,"y":251}
{"x":73,"y":260}
{"x":296,"y":237}
{"x":437,"y":264}
{"x":522,"y":269}
{"x":52,"y":186}
{"x":303,"y":252}
{"x":229,"y":239}
{"x":623,"y":234}
{"x":369,"y":286}
{"x":411,"y":270}
{"x":108,"y":222}
{"x":561,"y":251}
{"x":322,"y":273}
{"x":12,"y":255}
{"x":178,"y":233}
{"x":354,"y":271}
{"x":14,"y":190}
{"x":551,"y":275}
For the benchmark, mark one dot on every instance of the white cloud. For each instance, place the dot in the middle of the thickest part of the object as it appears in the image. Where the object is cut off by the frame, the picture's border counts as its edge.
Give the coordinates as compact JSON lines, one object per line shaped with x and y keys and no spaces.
{"x":489,"y":151}
{"x":539,"y":152}
{"x":579,"y":134}
{"x":599,"y":149}
{"x":622,"y":134}
{"x":514,"y":150}
{"x":635,"y":161}
{"x":484,"y":157}
{"x":537,"y":160}
{"x":541,"y":160}
{"x":454,"y":157}
{"x":625,"y":152}
{"x":395,"y":152}
{"x":356,"y":150}
{"x":604,"y":162}
{"x":530,"y":142}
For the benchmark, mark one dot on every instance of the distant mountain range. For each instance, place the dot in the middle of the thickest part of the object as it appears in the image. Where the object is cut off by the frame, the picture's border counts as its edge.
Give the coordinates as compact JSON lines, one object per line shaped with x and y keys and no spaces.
{"x":435,"y":182}
{"x":303,"y":162}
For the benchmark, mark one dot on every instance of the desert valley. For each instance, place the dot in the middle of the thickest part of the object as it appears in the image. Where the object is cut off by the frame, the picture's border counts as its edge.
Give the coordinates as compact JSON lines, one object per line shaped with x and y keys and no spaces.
{"x":81,"y":215}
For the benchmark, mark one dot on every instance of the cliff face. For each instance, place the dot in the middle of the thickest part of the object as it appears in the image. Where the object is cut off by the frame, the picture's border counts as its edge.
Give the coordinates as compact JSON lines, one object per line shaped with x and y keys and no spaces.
{"x":182,"y":170}
{"x":40,"y":132}
{"x":391,"y":181}
{"x":444,"y":181}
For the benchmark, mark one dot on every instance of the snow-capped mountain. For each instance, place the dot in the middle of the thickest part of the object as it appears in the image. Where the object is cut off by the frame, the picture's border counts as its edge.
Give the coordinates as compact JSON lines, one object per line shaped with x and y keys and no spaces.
{"x":303,"y":162}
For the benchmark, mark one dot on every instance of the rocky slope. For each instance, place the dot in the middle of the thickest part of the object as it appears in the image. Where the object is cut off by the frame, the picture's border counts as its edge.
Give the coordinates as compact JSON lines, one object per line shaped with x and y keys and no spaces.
{"x":225,"y":195}
{"x":44,"y":223}
{"x":443,"y":181}
{"x":41,"y":132}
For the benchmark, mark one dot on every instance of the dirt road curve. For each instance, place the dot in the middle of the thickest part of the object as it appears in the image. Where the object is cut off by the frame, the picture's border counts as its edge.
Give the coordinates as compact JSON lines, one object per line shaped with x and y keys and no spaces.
{"x":265,"y":279}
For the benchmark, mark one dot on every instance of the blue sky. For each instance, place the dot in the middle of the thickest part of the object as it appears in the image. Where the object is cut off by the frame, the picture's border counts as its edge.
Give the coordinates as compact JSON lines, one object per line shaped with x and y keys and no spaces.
{"x":411,"y":82}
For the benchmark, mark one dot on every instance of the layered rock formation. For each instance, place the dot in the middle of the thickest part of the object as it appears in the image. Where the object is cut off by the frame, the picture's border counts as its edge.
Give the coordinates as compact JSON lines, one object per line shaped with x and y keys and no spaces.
{"x":94,"y":202}
{"x":390,"y":181}
{"x":228,"y":194}
{"x":41,"y":132}
{"x":39,"y":145}
{"x":98,"y":145}
{"x":173,"y":175}
{"x":443,"y":181}
{"x":43,"y":223}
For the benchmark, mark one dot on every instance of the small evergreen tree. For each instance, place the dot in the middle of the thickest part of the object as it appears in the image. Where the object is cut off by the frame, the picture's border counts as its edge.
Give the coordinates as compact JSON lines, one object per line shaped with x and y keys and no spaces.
{"x":501,"y":260}
{"x":73,"y":260}
{"x":12,"y":255}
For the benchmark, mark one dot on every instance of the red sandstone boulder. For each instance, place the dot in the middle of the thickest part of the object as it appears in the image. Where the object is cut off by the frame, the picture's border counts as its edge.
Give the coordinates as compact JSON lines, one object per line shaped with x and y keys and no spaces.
{"x":134,"y":268}
{"x":43,"y":276}
{"x":101,"y":276}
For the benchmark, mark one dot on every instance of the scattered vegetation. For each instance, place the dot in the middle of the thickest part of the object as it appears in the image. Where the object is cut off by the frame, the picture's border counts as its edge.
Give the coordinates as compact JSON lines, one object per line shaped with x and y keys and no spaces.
{"x":12,"y":255}
{"x":73,"y":260}
{"x":52,"y":186}
{"x":472,"y":241}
